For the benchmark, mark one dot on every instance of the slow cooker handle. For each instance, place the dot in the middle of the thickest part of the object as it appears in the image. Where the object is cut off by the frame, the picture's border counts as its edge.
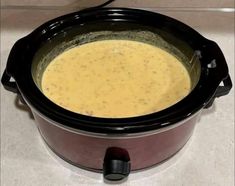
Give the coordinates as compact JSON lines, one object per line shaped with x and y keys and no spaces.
{"x":8,"y":84}
{"x":225,"y":89}
{"x":116,"y":164}
{"x":11,"y":68}
{"x":221,"y":69}
{"x":11,"y":85}
{"x":221,"y":90}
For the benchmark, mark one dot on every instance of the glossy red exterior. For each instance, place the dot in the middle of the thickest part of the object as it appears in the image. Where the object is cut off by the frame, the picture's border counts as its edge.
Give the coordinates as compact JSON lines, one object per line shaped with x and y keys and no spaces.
{"x":88,"y":151}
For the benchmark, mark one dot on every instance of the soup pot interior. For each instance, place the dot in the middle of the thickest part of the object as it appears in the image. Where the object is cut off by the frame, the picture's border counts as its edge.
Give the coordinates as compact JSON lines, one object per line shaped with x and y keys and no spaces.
{"x":80,"y":34}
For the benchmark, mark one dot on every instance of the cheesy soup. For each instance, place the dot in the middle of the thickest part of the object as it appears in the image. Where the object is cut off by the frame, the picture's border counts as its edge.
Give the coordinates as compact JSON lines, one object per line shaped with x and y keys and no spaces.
{"x":115,"y":78}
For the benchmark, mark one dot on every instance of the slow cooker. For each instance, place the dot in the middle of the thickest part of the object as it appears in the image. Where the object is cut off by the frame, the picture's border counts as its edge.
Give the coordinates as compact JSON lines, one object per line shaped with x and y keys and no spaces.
{"x":116,"y":146}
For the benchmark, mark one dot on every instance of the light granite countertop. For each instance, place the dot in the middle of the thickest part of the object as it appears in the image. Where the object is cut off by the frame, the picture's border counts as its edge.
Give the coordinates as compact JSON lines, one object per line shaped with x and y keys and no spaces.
{"x":207,"y":160}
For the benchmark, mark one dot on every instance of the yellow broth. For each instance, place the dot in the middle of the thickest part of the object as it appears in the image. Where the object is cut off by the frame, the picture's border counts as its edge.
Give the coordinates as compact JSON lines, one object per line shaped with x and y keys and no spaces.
{"x":115,"y":79}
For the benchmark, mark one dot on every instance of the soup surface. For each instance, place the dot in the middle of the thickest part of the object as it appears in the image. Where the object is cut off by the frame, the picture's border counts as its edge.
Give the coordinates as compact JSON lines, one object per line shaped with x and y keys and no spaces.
{"x":115,"y":78}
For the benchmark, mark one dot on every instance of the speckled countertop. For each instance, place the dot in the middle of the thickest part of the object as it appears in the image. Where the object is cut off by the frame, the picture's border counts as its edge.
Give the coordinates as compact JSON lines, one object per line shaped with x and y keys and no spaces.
{"x":207,"y":160}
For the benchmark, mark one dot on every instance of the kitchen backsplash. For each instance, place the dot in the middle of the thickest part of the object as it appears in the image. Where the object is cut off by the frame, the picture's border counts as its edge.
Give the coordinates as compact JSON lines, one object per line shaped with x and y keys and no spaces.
{"x":124,"y":3}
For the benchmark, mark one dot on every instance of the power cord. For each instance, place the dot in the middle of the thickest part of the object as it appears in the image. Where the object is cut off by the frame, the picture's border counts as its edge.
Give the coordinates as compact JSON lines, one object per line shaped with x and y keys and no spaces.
{"x":101,"y":5}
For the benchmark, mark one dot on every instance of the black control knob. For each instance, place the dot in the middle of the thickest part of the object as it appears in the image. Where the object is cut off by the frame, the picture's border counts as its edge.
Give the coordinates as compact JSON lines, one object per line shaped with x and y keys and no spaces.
{"x":116,"y":164}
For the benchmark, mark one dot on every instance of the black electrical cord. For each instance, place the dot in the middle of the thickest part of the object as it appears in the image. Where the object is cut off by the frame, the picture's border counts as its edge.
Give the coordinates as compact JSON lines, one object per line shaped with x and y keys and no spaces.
{"x":101,"y":5}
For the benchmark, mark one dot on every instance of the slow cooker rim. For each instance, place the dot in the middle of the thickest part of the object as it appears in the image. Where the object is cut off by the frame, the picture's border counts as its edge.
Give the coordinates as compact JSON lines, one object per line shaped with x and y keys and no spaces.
{"x":181,"y":110}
